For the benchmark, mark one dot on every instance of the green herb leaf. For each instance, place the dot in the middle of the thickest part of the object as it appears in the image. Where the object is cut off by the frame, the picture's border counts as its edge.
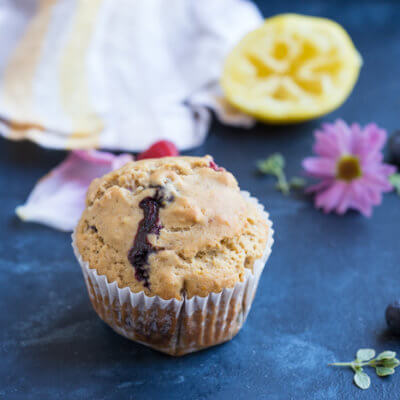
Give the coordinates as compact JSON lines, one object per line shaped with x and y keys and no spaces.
{"x":365,"y":354}
{"x":390,"y":363}
{"x":362,"y":380}
{"x":395,"y":181}
{"x":386,"y":355}
{"x":272,"y":165}
{"x":383,"y":371}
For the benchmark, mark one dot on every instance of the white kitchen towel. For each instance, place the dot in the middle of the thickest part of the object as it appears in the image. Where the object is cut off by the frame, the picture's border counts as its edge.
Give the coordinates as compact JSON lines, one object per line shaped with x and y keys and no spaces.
{"x":116,"y":74}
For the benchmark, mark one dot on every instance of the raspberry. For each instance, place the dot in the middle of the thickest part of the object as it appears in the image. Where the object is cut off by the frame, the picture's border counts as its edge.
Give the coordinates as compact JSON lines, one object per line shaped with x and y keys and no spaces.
{"x":215,"y":166}
{"x":162,"y":148}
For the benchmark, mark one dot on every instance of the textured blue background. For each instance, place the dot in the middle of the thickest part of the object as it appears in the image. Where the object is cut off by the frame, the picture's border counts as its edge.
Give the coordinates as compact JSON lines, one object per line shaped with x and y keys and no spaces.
{"x":322,"y":296}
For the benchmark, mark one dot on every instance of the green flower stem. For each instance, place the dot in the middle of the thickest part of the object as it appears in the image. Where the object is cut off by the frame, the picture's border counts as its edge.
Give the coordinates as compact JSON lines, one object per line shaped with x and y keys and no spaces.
{"x":282,"y":185}
{"x":345,"y":364}
{"x":353,"y":364}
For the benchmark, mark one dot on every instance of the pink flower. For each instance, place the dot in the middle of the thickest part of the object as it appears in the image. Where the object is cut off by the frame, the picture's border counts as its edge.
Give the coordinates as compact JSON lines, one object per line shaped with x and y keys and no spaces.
{"x":349,"y":165}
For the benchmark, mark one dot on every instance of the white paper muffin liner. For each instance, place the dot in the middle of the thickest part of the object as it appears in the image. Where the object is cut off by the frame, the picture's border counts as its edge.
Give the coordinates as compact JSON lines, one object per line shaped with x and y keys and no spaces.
{"x":176,"y":326}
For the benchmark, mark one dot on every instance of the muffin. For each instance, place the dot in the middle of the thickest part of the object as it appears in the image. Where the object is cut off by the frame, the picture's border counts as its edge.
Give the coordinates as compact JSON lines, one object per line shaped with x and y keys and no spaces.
{"x":171,"y":251}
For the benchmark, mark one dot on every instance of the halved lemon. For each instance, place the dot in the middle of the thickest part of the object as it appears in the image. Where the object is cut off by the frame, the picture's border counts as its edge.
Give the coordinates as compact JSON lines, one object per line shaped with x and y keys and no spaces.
{"x":291,"y":69}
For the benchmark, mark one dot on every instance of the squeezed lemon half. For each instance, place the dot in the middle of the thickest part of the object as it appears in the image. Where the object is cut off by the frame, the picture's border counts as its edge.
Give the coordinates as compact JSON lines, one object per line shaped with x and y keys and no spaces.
{"x":291,"y":69}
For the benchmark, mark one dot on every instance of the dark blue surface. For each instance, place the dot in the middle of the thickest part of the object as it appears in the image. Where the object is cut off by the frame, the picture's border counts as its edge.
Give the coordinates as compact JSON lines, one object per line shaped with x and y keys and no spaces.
{"x":321,"y":298}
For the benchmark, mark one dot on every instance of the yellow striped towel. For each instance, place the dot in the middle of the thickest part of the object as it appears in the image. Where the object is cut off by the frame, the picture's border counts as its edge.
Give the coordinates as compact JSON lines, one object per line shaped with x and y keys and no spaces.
{"x":116,"y":74}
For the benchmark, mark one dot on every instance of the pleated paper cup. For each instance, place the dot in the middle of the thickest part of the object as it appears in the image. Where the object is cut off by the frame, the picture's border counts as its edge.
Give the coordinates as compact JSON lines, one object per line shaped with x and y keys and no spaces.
{"x":176,"y":327}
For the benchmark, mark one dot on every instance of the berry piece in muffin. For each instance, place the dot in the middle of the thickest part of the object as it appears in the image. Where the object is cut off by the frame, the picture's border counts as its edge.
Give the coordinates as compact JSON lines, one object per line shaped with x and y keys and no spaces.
{"x":138,"y":255}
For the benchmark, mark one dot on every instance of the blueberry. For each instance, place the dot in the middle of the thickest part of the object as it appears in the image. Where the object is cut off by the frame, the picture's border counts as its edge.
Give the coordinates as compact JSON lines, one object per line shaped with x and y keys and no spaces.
{"x":394,"y":147}
{"x":393,"y":316}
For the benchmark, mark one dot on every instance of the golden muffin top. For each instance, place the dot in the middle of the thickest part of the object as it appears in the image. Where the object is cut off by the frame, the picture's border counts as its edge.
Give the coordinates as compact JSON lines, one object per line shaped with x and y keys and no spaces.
{"x":170,"y":226}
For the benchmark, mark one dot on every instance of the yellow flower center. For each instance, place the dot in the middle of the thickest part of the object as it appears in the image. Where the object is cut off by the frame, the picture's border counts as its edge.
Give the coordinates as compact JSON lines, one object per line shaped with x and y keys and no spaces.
{"x":348,"y":168}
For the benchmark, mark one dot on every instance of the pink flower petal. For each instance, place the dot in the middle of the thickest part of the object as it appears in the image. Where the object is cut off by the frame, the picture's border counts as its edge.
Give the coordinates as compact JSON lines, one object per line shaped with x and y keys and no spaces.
{"x":58,"y":199}
{"x":387,"y":169}
{"x":370,"y":191}
{"x":369,"y":143}
{"x":319,"y":167}
{"x":326,"y":145}
{"x":360,"y":200}
{"x":104,"y":158}
{"x":341,"y":133}
{"x":343,"y":136}
{"x":378,"y":180}
{"x":329,"y":198}
{"x":345,"y":201}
